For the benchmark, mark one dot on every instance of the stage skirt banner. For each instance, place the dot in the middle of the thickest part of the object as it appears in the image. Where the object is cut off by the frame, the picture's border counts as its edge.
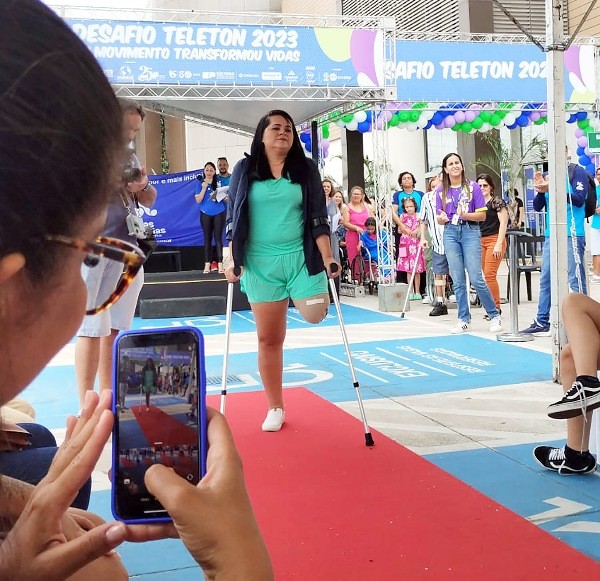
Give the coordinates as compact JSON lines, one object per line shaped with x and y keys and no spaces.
{"x":175,"y":216}
{"x":478,"y":71}
{"x":173,"y":53}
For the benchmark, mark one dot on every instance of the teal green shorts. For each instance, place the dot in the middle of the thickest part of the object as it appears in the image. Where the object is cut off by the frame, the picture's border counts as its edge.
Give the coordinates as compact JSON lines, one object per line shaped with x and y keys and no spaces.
{"x":267,"y":279}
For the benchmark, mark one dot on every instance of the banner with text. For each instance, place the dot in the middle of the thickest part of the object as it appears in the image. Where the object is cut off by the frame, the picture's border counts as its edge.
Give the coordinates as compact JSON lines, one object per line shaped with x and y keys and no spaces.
{"x":172,"y":53}
{"x":175,"y":216}
{"x":468,"y":71}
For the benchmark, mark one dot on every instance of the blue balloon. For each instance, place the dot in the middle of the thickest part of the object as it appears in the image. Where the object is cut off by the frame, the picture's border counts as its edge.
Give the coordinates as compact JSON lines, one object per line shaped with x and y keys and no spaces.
{"x":522,"y":121}
{"x":584,"y":160}
{"x":590,"y":168}
{"x":369,"y":115}
{"x":581,"y":115}
{"x":580,"y":150}
{"x":513,"y":126}
{"x":364,"y":127}
{"x":436,"y":119}
{"x":308,"y":144}
{"x":429,"y":124}
{"x":572,"y":118}
{"x":304,"y":137}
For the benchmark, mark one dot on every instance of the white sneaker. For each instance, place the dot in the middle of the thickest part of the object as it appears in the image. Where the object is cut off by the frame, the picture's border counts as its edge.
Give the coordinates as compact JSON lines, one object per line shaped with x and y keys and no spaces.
{"x":274,"y":420}
{"x":460,"y":327}
{"x":426,"y":300}
{"x":496,"y":324}
{"x":452,"y":299}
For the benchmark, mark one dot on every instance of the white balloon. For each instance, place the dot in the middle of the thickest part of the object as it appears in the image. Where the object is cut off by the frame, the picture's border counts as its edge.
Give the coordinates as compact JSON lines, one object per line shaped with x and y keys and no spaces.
{"x":352,"y":125}
{"x":340,"y":123}
{"x":360,"y":116}
{"x":412,"y":126}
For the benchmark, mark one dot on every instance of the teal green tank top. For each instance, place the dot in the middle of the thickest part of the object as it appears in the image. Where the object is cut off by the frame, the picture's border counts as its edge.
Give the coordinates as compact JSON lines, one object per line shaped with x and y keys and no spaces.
{"x":275,"y":215}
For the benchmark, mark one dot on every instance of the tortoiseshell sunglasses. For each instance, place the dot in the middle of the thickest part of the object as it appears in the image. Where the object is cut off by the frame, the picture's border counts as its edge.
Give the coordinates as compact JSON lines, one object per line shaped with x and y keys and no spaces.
{"x":113,"y":249}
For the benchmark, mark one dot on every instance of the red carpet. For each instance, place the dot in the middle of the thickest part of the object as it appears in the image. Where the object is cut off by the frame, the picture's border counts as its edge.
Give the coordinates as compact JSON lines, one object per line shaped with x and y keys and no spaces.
{"x":332,"y":509}
{"x":170,"y":431}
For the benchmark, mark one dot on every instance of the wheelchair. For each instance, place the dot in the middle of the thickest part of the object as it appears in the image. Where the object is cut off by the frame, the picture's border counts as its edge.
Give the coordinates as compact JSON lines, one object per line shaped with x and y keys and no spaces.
{"x":363,"y":271}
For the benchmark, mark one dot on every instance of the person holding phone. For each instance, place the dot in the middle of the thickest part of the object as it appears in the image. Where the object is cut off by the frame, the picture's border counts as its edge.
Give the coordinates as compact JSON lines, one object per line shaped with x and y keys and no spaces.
{"x":279,"y":231}
{"x":60,"y":119}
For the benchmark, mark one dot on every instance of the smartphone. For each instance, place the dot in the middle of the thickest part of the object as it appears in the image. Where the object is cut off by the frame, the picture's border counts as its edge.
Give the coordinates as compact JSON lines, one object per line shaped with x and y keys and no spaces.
{"x":159,"y":382}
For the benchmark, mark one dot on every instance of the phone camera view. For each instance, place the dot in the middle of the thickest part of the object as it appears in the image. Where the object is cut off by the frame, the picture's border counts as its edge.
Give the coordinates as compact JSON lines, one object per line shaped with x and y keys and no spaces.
{"x":156,"y":417}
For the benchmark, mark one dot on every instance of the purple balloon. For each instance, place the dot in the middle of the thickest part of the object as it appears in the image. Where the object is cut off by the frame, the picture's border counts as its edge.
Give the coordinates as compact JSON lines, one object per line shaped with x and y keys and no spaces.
{"x":586,"y":150}
{"x":534,"y":116}
{"x":325,"y":144}
{"x":441,"y":125}
{"x":578,"y":132}
{"x":449,"y":121}
{"x":582,"y":141}
{"x":470,"y":115}
{"x":459,"y":117}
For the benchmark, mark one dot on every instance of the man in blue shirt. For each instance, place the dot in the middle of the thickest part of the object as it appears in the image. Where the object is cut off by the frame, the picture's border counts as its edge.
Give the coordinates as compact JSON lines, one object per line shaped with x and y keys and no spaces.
{"x":577,"y":191}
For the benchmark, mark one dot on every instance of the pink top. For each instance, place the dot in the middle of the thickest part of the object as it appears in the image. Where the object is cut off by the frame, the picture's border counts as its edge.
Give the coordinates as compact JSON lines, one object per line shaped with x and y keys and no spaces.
{"x":358,"y":218}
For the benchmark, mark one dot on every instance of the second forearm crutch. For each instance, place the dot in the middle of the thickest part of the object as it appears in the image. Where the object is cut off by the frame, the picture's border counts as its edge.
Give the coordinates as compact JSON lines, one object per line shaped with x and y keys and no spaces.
{"x":228,"y":313}
{"x":368,"y":436}
{"x":412,"y":278}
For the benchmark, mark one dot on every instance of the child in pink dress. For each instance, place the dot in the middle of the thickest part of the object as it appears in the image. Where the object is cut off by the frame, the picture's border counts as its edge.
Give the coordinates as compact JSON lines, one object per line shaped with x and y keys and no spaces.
{"x":409,"y":246}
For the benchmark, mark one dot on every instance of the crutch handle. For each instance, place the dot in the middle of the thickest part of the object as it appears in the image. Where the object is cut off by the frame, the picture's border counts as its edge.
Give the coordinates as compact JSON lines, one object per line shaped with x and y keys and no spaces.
{"x":333,"y":267}
{"x":237,"y":270}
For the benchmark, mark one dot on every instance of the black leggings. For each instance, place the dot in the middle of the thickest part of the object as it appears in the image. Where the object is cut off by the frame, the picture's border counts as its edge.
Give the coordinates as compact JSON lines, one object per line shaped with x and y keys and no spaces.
{"x":213,"y":225}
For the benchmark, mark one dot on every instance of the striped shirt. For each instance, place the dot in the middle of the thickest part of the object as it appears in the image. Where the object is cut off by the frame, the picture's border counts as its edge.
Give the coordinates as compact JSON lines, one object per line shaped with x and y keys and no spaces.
{"x":428,"y":214}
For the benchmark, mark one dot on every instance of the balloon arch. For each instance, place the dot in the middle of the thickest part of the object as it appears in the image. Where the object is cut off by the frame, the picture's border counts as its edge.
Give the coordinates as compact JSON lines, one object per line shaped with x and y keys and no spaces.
{"x":459,"y":117}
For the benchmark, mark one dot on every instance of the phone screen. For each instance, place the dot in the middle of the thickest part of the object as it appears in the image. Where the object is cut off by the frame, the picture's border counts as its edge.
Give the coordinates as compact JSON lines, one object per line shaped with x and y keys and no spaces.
{"x":159,"y":415}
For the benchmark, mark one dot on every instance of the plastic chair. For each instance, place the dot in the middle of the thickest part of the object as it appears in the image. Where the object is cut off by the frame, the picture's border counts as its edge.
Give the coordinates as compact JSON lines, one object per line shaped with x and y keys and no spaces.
{"x":527,"y":259}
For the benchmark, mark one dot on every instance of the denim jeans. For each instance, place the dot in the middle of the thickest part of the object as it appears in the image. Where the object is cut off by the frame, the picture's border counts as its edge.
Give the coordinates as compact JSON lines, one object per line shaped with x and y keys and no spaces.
{"x":543,"y":313}
{"x":32,"y":463}
{"x":462,"y":243}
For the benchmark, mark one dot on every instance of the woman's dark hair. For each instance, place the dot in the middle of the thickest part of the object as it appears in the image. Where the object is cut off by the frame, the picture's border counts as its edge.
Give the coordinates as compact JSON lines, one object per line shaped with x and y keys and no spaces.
{"x":446,"y":177}
{"x":60,"y":134}
{"x":406,"y":173}
{"x":214,"y":184}
{"x":487,"y":178}
{"x":408,"y":199}
{"x":295,"y":166}
{"x":149,"y":365}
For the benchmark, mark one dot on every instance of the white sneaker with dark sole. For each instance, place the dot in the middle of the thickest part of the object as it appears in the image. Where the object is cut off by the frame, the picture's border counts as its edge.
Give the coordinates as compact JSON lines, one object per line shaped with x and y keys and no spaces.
{"x":274,"y":420}
{"x":460,"y":327}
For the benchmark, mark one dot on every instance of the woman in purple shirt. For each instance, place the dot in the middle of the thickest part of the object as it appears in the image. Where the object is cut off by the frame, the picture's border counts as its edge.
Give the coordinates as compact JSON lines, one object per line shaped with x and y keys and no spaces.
{"x":460,"y":208}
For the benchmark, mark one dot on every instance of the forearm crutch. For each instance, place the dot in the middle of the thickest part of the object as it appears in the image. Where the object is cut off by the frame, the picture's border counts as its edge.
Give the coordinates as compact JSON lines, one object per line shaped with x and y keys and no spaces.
{"x":412,"y":278}
{"x":368,"y":436}
{"x":228,"y":313}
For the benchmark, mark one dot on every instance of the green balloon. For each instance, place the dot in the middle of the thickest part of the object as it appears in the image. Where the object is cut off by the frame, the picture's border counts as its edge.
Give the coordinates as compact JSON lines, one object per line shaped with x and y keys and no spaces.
{"x":495,"y":120}
{"x":325,"y":131}
{"x":485,"y":116}
{"x":466,"y":127}
{"x":414,"y":116}
{"x":456,"y":127}
{"x":583,"y":123}
{"x":404,"y":116}
{"x":394,"y":120}
{"x":348,"y":118}
{"x":539,"y":121}
{"x":477,"y":123}
{"x":501,"y":114}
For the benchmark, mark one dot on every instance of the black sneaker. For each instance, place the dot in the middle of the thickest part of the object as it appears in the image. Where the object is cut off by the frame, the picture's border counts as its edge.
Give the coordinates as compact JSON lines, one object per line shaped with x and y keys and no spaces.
{"x":537,"y":330}
{"x":583,"y":397}
{"x":555,"y":459}
{"x":438,"y":310}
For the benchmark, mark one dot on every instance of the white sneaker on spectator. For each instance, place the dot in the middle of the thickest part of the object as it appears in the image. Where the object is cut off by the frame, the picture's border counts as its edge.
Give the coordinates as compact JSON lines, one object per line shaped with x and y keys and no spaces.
{"x":274,"y":420}
{"x":496,"y":324}
{"x":460,"y":327}
{"x":452,"y":299}
{"x":426,"y":300}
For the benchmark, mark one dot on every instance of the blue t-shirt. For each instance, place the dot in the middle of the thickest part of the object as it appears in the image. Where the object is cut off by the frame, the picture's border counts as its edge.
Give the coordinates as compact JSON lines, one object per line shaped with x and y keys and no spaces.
{"x":573,"y":212}
{"x":595,"y":223}
{"x":471,"y":197}
{"x":209,"y":206}
{"x":398,"y":196}
{"x":223,"y":181}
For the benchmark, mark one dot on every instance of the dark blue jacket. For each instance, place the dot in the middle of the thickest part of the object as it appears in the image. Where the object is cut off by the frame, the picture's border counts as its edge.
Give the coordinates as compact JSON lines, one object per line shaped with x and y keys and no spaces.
{"x":314,"y":214}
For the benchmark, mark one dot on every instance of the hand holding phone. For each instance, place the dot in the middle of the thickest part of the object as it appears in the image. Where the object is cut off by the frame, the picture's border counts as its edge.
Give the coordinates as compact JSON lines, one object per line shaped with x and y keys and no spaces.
{"x":160,"y":416}
{"x":215,"y":519}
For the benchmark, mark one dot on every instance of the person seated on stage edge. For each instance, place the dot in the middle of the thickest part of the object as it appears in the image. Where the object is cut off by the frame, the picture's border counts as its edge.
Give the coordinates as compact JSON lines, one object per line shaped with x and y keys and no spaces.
{"x":60,"y":120}
{"x":579,"y":364}
{"x":279,"y":231}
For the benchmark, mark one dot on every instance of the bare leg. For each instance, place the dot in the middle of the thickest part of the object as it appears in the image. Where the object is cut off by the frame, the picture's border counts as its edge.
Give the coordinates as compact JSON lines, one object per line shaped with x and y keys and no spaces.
{"x":105,"y":366}
{"x":87,"y":353}
{"x":417,"y":284}
{"x":596,"y":264}
{"x":270,"y":327}
{"x":440,"y":286}
{"x":313,"y":309}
